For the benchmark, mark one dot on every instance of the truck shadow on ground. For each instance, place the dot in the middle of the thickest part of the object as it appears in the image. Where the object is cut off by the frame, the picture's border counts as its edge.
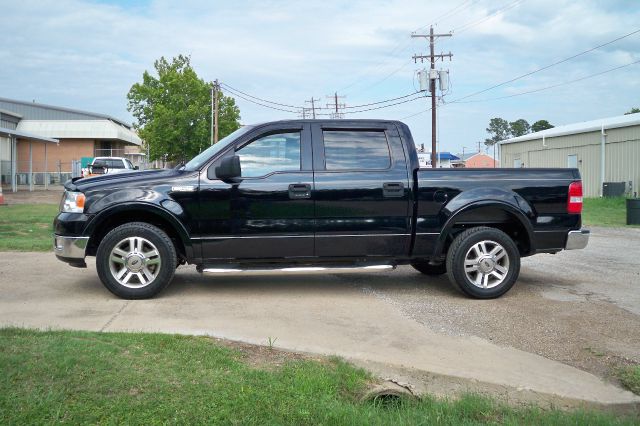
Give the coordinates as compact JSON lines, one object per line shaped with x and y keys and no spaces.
{"x":187,"y":280}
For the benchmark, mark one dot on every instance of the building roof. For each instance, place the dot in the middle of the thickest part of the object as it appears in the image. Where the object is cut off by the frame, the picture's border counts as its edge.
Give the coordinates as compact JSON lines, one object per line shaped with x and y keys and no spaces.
{"x":583,"y":127}
{"x":37,"y":111}
{"x":444,"y":155}
{"x":80,"y":129}
{"x":25,"y":135}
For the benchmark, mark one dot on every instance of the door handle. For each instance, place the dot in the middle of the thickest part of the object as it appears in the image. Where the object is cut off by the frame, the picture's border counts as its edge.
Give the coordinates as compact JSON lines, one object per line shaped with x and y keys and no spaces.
{"x":299,"y":191}
{"x":393,"y":189}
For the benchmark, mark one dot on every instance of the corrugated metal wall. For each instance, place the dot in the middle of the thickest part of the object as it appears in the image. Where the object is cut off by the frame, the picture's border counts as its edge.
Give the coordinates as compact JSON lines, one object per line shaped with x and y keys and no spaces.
{"x":622,"y":156}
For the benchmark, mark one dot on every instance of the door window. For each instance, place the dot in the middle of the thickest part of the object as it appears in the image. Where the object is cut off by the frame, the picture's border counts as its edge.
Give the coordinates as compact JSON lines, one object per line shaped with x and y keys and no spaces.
{"x":115,"y":164}
{"x":572,"y":161}
{"x":356,"y":150}
{"x":272,"y":153}
{"x":517,"y":163}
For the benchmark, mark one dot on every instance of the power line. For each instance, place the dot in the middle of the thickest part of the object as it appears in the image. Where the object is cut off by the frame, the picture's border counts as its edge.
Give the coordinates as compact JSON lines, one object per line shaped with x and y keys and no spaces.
{"x":550,"y":65}
{"x":263,"y":105}
{"x":535,"y":90}
{"x":381,"y":107}
{"x":257,"y":98}
{"x":550,"y":87}
{"x":382,"y":102}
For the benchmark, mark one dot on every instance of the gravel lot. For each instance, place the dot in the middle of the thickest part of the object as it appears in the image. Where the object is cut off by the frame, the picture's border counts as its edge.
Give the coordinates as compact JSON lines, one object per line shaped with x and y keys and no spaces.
{"x":578,"y":307}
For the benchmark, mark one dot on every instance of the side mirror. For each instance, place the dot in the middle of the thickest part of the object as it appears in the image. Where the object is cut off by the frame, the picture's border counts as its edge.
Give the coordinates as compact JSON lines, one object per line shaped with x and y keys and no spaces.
{"x":229,"y":169}
{"x":136,"y":168}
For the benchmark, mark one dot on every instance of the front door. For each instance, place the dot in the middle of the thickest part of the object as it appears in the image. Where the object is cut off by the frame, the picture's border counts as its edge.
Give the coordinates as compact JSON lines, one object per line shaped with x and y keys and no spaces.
{"x":269,"y":213}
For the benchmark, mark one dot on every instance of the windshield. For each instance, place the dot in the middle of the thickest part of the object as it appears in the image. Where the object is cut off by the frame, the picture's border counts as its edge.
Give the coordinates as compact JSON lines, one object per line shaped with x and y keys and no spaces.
{"x":205,"y":155}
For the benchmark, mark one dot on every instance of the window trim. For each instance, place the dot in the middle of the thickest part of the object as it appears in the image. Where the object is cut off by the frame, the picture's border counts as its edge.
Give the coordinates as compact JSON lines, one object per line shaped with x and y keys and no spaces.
{"x":382,"y":130}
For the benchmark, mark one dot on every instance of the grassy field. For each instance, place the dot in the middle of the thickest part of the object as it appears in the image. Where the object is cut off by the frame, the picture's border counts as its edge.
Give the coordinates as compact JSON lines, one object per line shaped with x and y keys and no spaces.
{"x":79,"y":377}
{"x":630,"y":378}
{"x":605,"y":211}
{"x":27,"y":227}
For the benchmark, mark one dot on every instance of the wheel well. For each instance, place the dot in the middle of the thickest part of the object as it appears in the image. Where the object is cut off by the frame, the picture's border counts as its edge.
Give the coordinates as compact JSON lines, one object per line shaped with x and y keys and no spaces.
{"x":121,"y":218}
{"x":494,"y":217}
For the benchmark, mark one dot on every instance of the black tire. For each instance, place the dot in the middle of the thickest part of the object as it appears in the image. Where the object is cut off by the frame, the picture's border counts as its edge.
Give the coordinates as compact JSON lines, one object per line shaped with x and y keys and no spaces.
{"x":473,"y":239}
{"x":147,"y":236}
{"x":424,"y":267}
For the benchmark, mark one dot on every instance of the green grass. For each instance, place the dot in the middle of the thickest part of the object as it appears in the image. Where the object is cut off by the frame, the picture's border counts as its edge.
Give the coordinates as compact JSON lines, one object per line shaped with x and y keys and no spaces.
{"x":630,"y":377}
{"x":610,"y":211}
{"x":27,"y":227}
{"x":111,"y":378}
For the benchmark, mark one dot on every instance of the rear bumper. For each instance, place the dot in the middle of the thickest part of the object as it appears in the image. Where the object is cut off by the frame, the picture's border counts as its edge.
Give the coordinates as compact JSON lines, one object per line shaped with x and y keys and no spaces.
{"x":577,"y":240}
{"x":70,"y":249}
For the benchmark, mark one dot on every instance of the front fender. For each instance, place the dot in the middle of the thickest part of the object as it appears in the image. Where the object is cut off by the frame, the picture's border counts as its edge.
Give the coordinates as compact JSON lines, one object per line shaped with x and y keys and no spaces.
{"x":474,"y":199}
{"x":168,"y":210}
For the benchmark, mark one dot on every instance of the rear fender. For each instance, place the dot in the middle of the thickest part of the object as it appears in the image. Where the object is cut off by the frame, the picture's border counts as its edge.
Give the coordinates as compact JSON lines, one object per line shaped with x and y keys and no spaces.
{"x":508,"y":201}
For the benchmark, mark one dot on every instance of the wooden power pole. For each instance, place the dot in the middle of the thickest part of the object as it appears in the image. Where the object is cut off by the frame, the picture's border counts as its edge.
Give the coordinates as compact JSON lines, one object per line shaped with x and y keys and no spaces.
{"x":432,"y":83}
{"x":216,"y":108}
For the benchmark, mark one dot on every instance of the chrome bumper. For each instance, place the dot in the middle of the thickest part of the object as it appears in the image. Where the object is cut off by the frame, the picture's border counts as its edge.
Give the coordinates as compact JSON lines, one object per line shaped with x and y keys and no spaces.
{"x":577,"y":239}
{"x":70,"y":247}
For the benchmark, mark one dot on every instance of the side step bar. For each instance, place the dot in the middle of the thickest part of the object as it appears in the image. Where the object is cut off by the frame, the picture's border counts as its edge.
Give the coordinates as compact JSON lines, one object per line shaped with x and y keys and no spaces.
{"x":276,"y":270}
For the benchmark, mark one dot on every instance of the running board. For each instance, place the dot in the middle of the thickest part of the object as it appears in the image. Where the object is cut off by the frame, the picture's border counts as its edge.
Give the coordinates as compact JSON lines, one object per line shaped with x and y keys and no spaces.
{"x":295,"y":270}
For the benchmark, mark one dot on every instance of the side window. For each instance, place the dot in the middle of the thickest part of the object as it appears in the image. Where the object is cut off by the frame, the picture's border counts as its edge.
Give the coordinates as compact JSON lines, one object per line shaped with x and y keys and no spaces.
{"x":115,"y":164}
{"x":359,"y":150}
{"x":272,"y":153}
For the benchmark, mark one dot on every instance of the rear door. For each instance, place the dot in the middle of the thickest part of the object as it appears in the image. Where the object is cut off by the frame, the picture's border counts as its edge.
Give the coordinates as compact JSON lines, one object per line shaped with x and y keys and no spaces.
{"x":362,"y":193}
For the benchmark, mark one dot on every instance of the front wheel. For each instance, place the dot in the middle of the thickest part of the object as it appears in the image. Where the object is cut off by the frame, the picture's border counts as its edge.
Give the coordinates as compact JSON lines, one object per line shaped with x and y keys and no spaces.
{"x":136,"y":260}
{"x":483,"y":262}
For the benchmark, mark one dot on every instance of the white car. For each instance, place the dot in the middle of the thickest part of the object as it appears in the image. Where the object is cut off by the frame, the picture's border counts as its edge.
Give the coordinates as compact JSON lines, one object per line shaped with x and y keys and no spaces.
{"x":108,"y":165}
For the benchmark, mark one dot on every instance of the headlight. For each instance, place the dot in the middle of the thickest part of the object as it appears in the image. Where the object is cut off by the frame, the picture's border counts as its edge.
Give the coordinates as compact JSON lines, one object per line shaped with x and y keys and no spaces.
{"x":72,"y":202}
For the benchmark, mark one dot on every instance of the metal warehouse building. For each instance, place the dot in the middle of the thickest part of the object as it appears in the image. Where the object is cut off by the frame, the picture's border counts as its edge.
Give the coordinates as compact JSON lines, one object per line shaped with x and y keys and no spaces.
{"x":605,"y":150}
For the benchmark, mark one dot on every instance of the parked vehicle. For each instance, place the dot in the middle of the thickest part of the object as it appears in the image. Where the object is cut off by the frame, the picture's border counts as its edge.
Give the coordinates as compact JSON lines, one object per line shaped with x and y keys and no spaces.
{"x":106,"y":165}
{"x":318,"y":196}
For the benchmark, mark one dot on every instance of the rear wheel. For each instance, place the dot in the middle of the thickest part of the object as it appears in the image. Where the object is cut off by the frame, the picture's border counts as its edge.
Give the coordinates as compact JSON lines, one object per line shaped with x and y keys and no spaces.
{"x":483,"y":262}
{"x":427,"y":268}
{"x":136,"y":260}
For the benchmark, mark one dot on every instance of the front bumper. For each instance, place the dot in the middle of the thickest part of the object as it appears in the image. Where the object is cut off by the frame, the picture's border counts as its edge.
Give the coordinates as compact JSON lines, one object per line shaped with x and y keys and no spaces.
{"x":70,"y":249}
{"x":577,"y":240}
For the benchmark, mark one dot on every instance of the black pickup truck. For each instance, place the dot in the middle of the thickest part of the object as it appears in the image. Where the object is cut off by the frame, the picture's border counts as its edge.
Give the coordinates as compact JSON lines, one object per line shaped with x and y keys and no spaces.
{"x":317,"y":196}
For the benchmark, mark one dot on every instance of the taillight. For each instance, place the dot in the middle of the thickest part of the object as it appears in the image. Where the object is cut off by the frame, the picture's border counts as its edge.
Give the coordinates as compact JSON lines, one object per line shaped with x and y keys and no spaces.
{"x":574,"y":201}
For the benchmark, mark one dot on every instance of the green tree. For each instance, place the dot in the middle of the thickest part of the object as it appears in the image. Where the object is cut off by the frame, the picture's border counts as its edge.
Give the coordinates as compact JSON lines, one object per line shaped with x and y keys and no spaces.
{"x":632,"y":111}
{"x":173,"y":110}
{"x":541,"y":125}
{"x":499,"y":130}
{"x":519,"y":127}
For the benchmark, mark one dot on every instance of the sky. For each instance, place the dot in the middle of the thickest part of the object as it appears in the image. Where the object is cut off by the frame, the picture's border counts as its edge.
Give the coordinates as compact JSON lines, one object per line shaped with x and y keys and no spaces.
{"x":87,"y":54}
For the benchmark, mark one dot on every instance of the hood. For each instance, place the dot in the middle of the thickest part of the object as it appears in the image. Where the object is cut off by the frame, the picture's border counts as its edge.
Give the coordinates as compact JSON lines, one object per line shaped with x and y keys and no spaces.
{"x":116,"y":179}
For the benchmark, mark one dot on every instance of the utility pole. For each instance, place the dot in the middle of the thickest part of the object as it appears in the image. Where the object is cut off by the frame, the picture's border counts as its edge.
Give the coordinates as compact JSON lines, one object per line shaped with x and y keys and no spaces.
{"x":336,"y":105}
{"x":432,"y":82}
{"x":215,"y":105}
{"x":313,"y":106}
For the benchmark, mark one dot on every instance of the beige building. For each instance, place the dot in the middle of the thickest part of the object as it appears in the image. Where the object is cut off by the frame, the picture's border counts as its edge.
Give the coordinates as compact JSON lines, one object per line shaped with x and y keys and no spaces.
{"x":605,"y":151}
{"x":42,"y":144}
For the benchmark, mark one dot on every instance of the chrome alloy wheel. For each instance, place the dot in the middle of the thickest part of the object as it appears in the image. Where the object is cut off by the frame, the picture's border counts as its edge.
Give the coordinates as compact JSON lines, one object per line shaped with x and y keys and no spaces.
{"x":134,"y":262}
{"x":486,"y":264}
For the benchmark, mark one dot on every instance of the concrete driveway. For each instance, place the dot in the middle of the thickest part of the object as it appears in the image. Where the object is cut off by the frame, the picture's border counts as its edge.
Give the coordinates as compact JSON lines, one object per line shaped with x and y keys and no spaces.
{"x":575,"y":308}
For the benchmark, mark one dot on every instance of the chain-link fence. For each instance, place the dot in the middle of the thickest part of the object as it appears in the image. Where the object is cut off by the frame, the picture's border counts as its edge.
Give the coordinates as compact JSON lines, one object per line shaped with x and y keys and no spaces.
{"x":40,"y":174}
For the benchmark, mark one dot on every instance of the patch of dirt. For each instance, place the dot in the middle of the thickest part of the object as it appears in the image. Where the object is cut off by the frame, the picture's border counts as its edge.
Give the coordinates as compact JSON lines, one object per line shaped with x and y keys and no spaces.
{"x":265,"y":357}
